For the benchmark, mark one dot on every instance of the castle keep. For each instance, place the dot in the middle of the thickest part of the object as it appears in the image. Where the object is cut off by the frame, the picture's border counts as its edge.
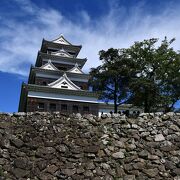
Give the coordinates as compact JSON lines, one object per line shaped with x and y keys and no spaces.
{"x":57,"y":82}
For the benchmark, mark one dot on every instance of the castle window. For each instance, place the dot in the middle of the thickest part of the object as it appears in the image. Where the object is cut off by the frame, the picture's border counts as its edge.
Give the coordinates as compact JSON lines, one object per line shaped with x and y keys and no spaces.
{"x":44,"y":83}
{"x":52,"y":107}
{"x":86,"y":108}
{"x":64,"y":107}
{"x":75,"y":108}
{"x":62,"y":68}
{"x":64,"y":87}
{"x":41,"y":106}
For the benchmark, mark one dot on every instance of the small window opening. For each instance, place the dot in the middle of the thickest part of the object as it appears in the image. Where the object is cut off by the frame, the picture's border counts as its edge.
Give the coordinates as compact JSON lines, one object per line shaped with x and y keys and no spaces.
{"x":62,"y":68}
{"x":41,"y":106}
{"x":75,"y":109}
{"x":52,"y":107}
{"x":64,"y":107}
{"x":64,"y":87}
{"x":86,"y":108}
{"x":44,"y":83}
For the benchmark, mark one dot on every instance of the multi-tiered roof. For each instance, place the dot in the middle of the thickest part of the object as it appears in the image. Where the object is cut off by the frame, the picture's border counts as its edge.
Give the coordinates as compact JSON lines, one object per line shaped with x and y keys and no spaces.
{"x":57,"y":75}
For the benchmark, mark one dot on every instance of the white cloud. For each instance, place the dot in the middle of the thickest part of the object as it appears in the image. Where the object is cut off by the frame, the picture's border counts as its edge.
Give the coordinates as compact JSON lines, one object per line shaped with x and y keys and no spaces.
{"x":21,"y":40}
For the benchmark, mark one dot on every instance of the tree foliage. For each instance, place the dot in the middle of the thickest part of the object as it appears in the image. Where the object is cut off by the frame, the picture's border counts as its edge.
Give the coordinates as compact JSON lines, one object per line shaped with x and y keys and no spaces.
{"x":145,"y":74}
{"x":156,"y":85}
{"x":113,"y":76}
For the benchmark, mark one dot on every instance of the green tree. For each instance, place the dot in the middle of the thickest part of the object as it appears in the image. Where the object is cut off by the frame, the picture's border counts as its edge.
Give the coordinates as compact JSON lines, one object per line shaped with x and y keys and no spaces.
{"x":112,"y":78}
{"x":146,"y":75}
{"x":170,"y":75}
{"x":157,"y":82}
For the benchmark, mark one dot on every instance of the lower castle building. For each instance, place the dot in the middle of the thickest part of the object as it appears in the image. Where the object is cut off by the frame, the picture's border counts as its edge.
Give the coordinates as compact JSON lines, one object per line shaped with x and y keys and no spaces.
{"x":57,"y":82}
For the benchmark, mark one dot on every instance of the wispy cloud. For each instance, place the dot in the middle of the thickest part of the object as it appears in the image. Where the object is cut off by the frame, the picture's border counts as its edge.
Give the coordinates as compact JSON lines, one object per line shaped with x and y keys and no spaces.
{"x":120,"y":27}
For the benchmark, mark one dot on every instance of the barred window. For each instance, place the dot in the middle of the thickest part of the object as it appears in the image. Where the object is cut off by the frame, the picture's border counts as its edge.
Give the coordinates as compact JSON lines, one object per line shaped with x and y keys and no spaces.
{"x":52,"y":107}
{"x":64,"y":107}
{"x":75,"y":108}
{"x":86,"y":108}
{"x":44,"y":83}
{"x":41,"y":106}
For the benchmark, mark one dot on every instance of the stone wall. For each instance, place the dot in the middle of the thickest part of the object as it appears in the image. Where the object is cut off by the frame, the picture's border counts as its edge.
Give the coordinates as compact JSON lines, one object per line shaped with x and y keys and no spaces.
{"x":53,"y":146}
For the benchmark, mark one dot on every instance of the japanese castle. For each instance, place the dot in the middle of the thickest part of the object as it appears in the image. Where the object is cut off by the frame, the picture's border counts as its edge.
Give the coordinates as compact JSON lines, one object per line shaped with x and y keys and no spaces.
{"x":57,"y":82}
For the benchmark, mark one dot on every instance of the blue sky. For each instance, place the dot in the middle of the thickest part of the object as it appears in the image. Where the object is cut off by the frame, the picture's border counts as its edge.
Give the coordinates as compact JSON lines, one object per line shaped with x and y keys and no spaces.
{"x":96,"y":24}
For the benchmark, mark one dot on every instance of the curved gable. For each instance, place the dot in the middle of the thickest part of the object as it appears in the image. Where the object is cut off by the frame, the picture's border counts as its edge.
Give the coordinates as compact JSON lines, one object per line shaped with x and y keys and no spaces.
{"x":76,"y":69}
{"x":61,"y":40}
{"x":49,"y":66}
{"x":64,"y":83}
{"x":62,"y":53}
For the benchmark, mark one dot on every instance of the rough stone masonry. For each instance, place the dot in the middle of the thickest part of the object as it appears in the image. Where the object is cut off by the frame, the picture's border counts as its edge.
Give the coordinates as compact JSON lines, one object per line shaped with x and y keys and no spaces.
{"x":54,"y":146}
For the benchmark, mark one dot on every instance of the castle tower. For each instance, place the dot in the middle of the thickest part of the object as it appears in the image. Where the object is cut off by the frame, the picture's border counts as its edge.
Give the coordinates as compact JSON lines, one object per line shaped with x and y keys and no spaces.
{"x":57,"y":82}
